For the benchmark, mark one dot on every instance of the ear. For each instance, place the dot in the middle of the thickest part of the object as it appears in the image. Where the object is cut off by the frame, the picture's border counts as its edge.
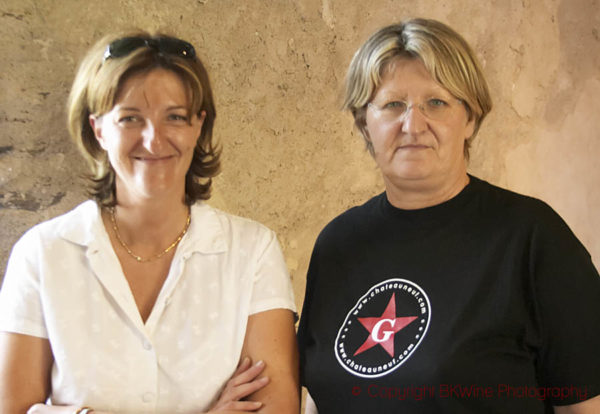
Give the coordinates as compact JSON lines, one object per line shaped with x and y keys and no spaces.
{"x":470,"y":128}
{"x":200,"y":122}
{"x":201,"y":118}
{"x":96,"y":124}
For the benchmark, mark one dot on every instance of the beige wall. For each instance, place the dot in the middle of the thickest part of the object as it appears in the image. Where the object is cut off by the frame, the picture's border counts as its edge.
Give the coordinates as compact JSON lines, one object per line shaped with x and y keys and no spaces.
{"x":291,"y":159}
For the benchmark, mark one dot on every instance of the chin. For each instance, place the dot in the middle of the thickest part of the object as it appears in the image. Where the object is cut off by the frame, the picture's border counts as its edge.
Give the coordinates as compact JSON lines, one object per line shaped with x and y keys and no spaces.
{"x":413,"y":173}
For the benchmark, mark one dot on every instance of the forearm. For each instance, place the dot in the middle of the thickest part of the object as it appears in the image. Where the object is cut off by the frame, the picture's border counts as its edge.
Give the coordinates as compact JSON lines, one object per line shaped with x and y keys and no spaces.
{"x":591,"y":406}
{"x":271,"y":337}
{"x":280,"y":400}
{"x":25,"y":363}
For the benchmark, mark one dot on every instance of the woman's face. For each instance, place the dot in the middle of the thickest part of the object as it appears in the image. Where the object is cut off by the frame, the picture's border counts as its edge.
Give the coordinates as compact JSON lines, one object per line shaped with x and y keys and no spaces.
{"x":416,"y":151}
{"x":149,"y":137}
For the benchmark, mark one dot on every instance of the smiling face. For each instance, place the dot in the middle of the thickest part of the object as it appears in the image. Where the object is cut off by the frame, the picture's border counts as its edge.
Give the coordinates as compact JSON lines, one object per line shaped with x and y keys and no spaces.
{"x":415,"y":152}
{"x":149,"y":137}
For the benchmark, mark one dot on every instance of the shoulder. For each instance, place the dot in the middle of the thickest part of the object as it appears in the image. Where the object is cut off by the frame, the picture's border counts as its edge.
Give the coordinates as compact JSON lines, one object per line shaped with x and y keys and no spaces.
{"x":203,"y":212}
{"x":51,"y":239}
{"x":351,"y":223}
{"x":504,"y":197}
{"x":510,"y":204}
{"x":511,"y":211}
{"x":73,"y":225}
{"x":214,"y":228}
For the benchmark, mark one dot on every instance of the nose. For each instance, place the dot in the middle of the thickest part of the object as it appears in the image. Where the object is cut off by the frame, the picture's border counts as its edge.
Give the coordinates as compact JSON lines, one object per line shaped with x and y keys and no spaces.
{"x":152,"y":138}
{"x":414,"y":121}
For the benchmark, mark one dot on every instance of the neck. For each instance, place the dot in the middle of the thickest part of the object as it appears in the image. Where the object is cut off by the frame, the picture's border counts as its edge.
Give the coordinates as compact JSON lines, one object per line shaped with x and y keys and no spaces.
{"x":147,"y":228}
{"x":149,"y":213}
{"x":417,"y":194}
{"x":152,"y":213}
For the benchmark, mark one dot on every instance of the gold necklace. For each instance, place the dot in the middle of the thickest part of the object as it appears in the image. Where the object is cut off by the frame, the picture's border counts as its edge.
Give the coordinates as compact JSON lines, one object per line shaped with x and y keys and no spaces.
{"x":159,"y":255}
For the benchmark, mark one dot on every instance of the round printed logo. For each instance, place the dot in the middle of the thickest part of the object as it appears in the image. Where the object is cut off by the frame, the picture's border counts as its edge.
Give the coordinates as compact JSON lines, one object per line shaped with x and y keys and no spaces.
{"x":383,"y":329}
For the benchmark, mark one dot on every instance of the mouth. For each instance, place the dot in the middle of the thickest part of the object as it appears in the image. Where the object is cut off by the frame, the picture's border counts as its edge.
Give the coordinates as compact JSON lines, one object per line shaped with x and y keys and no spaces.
{"x":145,"y":158}
{"x":413,"y":147}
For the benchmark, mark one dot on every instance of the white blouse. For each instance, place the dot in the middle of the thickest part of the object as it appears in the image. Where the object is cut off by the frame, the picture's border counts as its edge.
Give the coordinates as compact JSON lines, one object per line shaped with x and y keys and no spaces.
{"x":65,"y":283}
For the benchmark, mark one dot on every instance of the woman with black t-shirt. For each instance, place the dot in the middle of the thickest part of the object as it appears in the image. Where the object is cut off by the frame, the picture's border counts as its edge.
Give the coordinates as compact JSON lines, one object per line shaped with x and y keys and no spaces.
{"x":444,"y":294}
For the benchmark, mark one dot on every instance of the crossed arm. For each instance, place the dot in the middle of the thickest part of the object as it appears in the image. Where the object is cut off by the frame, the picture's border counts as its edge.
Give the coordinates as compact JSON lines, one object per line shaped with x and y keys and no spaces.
{"x":267,"y":387}
{"x":271,"y":337}
{"x":591,"y":406}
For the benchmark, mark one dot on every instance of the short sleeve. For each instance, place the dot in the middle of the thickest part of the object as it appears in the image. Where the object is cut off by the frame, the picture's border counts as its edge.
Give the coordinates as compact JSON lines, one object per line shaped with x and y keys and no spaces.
{"x":20,"y":299}
{"x":272,"y":288}
{"x":568,"y":301}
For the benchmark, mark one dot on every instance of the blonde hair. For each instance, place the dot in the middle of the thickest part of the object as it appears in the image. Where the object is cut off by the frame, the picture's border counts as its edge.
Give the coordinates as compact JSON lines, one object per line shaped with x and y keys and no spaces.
{"x":445,"y":54}
{"x":95,"y":90}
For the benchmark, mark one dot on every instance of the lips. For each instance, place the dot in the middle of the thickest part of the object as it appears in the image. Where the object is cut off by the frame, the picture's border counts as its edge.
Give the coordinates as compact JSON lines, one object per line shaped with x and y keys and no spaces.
{"x":413,"y":146}
{"x":153,"y":159}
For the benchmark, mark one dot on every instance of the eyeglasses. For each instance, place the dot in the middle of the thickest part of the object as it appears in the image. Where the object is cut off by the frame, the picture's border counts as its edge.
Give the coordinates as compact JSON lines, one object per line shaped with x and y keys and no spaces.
{"x":435,"y":109}
{"x":165,"y":45}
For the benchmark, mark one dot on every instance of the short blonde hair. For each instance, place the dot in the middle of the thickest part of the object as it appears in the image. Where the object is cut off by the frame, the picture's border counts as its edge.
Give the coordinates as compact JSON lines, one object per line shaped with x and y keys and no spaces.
{"x":445,"y":54}
{"x":95,"y":90}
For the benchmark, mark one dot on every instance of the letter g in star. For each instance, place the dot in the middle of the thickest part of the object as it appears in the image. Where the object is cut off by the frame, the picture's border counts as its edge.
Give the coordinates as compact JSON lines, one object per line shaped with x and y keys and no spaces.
{"x":375,"y":327}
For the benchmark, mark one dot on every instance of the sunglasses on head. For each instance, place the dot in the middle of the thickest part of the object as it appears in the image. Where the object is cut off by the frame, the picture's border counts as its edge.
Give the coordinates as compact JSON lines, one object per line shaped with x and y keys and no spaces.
{"x":164,"y":45}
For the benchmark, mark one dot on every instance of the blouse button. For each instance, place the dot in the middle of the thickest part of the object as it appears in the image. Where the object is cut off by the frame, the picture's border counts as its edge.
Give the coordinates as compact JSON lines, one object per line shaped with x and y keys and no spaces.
{"x":147,"y":345}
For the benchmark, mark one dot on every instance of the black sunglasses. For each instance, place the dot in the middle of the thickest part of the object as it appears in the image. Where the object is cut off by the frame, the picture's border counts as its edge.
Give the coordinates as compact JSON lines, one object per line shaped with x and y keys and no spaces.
{"x":164,"y":45}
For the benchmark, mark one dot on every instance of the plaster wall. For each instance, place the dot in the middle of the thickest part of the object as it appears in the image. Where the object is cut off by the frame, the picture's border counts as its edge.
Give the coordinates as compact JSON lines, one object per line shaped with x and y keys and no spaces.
{"x":291,"y":160}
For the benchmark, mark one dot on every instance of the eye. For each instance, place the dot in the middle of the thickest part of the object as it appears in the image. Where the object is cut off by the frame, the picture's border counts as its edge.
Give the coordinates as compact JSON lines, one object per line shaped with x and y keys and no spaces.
{"x":178,"y":117}
{"x":436,"y":103}
{"x":127,"y":119}
{"x":395,"y":106}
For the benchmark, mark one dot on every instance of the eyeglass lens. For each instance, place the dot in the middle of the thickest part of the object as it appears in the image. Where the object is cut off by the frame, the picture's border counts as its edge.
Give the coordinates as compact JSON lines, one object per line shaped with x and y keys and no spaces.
{"x":435,"y":109}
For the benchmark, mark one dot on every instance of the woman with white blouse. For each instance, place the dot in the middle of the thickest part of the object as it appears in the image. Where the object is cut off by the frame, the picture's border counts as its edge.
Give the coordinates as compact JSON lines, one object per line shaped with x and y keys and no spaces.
{"x":146,"y":299}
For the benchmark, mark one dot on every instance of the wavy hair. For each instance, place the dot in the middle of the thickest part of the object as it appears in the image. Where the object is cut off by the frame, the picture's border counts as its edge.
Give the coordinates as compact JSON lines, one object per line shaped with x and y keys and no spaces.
{"x":95,"y":89}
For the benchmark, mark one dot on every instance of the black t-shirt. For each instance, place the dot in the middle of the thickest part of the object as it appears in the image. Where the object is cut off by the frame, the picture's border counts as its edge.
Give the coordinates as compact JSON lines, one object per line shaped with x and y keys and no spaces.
{"x":486,"y":303}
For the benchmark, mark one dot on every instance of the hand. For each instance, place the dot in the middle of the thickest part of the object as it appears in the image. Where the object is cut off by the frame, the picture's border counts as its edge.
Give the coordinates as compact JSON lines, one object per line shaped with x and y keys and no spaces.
{"x":52,"y":409}
{"x":57,"y":409}
{"x":242,"y":383}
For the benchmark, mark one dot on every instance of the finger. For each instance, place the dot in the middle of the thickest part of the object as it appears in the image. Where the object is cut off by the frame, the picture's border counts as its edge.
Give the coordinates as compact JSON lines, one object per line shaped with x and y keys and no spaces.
{"x":35,"y":408}
{"x":249,"y":374}
{"x":243,"y":405}
{"x":244,"y":390}
{"x":243,"y":366}
{"x":43,"y":408}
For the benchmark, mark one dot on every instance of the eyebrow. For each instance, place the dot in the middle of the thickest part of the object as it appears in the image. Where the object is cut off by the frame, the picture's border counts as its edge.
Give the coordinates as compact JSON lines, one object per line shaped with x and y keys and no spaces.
{"x":429,"y":91}
{"x":129,"y":108}
{"x":135,"y":109}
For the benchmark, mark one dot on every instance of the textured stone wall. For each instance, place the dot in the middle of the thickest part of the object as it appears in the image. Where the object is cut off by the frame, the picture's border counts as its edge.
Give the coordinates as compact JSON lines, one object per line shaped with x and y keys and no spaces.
{"x":291,"y":159}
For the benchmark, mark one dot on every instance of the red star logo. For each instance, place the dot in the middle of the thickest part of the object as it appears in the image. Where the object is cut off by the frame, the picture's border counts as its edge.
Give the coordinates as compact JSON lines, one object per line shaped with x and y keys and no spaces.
{"x":382,"y":329}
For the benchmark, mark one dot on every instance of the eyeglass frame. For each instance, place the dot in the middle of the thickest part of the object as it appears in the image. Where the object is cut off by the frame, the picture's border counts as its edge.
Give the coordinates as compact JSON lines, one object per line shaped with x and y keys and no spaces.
{"x":165,"y":45}
{"x":420,"y":106}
